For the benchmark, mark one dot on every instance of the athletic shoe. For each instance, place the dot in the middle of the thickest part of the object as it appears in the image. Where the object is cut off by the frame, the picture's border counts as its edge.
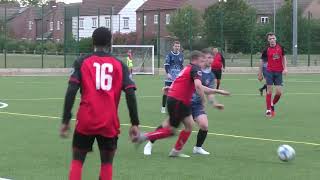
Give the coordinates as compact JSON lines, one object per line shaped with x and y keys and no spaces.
{"x":268,"y":113}
{"x":261,"y":92}
{"x":199,"y":150}
{"x":147,"y":149}
{"x":175,"y":153}
{"x":163,"y":110}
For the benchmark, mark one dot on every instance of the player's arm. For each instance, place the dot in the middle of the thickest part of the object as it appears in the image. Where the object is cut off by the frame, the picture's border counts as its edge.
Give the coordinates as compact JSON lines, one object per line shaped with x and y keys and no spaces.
{"x":263,"y":57}
{"x":209,"y":91}
{"x":284,"y":62}
{"x":223,"y":62}
{"x":73,"y":87}
{"x":167,"y":66}
{"x":129,"y":88}
{"x":213,"y":102}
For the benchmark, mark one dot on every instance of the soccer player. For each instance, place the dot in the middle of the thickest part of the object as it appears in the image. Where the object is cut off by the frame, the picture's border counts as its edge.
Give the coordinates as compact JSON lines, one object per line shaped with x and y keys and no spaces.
{"x":130,"y":62}
{"x":264,"y":65}
{"x":197,"y":107}
{"x":179,"y":104}
{"x":101,"y":78}
{"x":218,"y":65}
{"x":277,"y":65}
{"x":173,"y":65}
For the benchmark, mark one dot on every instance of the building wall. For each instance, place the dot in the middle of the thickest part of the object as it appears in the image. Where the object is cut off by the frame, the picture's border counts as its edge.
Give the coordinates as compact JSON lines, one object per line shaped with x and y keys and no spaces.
{"x":151,"y":29}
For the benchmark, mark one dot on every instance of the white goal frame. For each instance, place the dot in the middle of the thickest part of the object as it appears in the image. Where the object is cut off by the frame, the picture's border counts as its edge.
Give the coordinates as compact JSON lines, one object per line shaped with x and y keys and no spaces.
{"x":138,"y":46}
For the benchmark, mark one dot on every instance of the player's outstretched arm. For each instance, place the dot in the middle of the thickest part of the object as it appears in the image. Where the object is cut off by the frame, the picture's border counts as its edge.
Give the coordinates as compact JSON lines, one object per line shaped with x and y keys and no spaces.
{"x":68,"y":104}
{"x":285,"y":62}
{"x":214,"y":103}
{"x":260,"y":77}
{"x":215,"y":91}
{"x":134,"y":131}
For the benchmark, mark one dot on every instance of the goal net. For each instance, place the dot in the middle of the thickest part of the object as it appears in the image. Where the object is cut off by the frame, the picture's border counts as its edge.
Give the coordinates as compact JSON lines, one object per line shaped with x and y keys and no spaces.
{"x":142,"y":55}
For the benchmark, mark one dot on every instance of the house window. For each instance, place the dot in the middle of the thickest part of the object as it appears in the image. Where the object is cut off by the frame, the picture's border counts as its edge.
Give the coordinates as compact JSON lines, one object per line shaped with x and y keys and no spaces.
{"x":125,"y":23}
{"x":264,"y":20}
{"x":155,"y":19}
{"x":94,"y":22}
{"x":144,"y":20}
{"x":81,"y":23}
{"x":30,"y":25}
{"x":51,"y":26}
{"x":58,"y":25}
{"x":167,"y":18}
{"x":108,"y":22}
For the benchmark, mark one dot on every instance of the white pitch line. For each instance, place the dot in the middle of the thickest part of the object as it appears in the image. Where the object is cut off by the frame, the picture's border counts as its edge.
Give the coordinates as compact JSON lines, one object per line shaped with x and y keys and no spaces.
{"x":4,"y":179}
{"x":210,"y":133}
{"x":236,"y":94}
{"x":3,"y":105}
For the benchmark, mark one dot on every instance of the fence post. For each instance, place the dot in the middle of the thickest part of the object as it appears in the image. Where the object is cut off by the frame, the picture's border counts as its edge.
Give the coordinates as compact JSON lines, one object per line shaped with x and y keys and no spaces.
{"x":309,"y":38}
{"x":78,"y":31}
{"x":65,"y":38}
{"x":5,"y":36}
{"x":190,"y":30}
{"x":251,"y":42}
{"x":111,"y":28}
{"x":158,"y":39}
{"x":221,"y":30}
{"x":98,"y":17}
{"x":142,"y":39}
{"x":42,"y":48}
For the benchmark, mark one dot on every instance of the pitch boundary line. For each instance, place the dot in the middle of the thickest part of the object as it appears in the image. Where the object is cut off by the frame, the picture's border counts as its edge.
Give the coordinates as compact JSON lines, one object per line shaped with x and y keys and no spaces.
{"x":236,"y":94}
{"x":210,"y":133}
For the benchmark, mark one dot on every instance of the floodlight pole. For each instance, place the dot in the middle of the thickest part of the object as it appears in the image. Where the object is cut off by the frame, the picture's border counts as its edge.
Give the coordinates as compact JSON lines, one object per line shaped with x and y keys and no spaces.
{"x":294,"y":32}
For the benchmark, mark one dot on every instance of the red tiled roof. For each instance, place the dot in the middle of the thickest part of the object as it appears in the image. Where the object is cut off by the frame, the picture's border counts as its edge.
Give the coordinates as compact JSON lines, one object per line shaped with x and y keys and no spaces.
{"x":90,"y":7}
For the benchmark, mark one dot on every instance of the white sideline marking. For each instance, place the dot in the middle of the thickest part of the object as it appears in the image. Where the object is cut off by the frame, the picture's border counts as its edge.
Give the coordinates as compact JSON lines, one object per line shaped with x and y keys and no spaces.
{"x":3,"y":105}
{"x":236,"y":94}
{"x":210,"y":133}
{"x":4,"y":179}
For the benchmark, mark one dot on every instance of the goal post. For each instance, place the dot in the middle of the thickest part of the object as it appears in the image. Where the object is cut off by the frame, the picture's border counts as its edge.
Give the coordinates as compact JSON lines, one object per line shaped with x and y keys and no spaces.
{"x":142,"y":55}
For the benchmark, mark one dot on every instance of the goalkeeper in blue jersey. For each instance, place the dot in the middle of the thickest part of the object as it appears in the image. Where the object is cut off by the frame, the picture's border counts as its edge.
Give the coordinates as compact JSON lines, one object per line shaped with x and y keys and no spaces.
{"x":173,"y":65}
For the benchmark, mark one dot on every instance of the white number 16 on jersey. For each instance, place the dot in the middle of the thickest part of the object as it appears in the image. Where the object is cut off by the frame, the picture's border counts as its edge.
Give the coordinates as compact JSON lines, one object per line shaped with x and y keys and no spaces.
{"x":103,"y":78}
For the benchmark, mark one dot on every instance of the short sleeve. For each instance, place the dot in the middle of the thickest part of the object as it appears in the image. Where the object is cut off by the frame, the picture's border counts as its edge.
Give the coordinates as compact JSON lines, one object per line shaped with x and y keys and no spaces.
{"x":126,"y":80}
{"x":75,"y":76}
{"x":196,"y":72}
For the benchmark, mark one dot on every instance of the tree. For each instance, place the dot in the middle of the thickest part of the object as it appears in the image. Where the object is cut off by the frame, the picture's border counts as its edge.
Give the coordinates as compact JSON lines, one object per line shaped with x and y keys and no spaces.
{"x":186,"y":24}
{"x":32,"y":2}
{"x":238,"y":20}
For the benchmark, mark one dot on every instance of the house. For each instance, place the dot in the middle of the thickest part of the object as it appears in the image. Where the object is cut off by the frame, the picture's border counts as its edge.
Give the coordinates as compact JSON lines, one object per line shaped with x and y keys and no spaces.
{"x":314,"y":9}
{"x":27,"y":22}
{"x":118,"y":15}
{"x":147,"y":15}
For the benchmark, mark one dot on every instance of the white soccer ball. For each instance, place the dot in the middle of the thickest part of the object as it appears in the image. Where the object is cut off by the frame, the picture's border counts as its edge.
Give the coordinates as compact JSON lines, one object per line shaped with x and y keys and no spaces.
{"x":286,"y":153}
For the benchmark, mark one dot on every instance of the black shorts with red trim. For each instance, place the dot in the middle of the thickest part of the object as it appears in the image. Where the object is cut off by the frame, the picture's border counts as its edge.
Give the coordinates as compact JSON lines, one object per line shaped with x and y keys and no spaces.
{"x":217,"y":73}
{"x":177,"y":111}
{"x":84,"y":142}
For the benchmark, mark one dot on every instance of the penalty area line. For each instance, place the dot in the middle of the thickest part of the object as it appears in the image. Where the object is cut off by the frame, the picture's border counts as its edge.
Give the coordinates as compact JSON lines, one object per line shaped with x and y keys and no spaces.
{"x":210,"y":133}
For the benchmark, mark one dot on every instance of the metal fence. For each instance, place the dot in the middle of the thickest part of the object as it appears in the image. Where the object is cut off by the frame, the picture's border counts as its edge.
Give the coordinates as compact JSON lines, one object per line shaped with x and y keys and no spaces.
{"x":49,"y":37}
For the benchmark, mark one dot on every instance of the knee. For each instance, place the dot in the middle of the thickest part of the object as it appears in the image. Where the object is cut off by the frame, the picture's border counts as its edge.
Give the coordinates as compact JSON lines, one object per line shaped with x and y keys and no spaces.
{"x":203,"y":127}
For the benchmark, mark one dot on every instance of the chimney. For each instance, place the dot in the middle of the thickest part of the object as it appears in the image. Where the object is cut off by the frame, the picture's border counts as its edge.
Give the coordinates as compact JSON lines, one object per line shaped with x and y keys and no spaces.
{"x":52,"y":3}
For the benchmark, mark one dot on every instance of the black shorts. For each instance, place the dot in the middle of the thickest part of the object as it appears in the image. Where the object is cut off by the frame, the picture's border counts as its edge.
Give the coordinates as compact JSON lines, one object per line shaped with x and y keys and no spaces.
{"x":217,"y":73}
{"x":177,"y":111}
{"x":85,"y":142}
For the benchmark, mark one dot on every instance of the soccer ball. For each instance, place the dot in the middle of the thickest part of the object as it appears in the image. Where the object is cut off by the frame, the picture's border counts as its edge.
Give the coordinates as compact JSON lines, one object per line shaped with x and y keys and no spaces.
{"x":286,"y":153}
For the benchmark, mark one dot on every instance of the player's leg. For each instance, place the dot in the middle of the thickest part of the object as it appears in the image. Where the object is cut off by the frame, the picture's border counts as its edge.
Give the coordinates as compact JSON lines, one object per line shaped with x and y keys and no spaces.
{"x":81,"y":145}
{"x":182,"y":138}
{"x":270,"y":82}
{"x":264,"y":87}
{"x":202,"y":121}
{"x":183,"y":114}
{"x":147,"y":150}
{"x":107,"y":147}
{"x":164,"y":98}
{"x":218,"y":77}
{"x":278,"y":91}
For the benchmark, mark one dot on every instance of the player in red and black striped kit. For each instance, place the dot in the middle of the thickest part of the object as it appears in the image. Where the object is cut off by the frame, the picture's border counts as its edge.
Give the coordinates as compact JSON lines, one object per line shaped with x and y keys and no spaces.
{"x":217,"y":66}
{"x":277,"y":66}
{"x":100,"y":78}
{"x":179,"y":104}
